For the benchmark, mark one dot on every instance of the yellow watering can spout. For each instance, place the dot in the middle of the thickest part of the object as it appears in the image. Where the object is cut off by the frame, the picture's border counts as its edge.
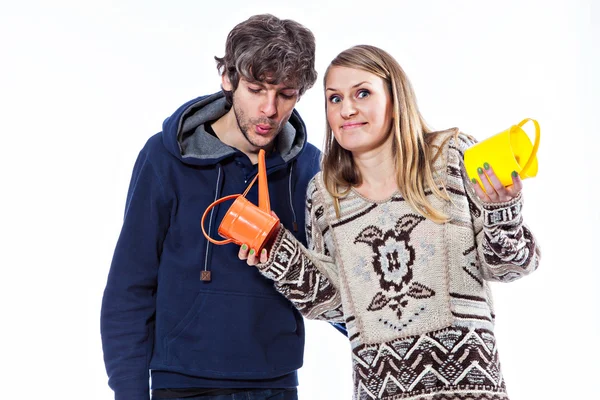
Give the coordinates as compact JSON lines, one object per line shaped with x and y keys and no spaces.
{"x":507,"y":151}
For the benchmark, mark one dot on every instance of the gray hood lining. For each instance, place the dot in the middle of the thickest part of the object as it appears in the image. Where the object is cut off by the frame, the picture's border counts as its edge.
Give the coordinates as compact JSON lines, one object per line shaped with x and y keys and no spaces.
{"x":195,"y":142}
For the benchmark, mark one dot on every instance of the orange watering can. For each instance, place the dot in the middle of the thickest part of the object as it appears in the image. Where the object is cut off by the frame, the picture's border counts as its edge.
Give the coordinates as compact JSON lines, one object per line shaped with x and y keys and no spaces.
{"x":244,"y":222}
{"x":507,"y":151}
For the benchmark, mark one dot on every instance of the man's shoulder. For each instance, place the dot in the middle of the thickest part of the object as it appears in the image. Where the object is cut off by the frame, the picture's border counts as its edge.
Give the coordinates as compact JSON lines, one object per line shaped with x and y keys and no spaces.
{"x":310,"y":156}
{"x":154,"y":149}
{"x":154,"y":145}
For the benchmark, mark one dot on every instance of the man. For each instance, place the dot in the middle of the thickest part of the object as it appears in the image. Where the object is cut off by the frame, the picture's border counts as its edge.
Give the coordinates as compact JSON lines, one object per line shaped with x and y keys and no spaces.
{"x":200,"y":320}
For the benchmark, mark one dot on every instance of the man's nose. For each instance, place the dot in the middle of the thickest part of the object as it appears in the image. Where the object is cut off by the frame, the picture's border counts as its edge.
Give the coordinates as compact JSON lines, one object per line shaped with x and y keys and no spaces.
{"x":269,"y":105}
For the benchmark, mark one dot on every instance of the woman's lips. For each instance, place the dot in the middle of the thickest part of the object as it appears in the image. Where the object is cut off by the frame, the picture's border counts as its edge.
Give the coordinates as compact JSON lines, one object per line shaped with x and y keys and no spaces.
{"x":351,"y":125}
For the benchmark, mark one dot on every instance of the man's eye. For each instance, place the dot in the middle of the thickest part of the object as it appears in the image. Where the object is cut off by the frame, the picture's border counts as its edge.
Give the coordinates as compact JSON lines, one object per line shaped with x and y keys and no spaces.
{"x":253,"y":90}
{"x":287,"y":96}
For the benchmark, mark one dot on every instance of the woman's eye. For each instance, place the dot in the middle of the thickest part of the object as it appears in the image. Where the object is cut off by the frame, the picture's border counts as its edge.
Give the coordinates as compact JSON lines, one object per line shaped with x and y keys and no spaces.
{"x":362,"y":94}
{"x":334,"y":99}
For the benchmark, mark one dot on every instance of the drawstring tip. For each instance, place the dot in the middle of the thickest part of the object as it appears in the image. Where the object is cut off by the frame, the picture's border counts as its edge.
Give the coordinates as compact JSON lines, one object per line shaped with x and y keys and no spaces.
{"x":295,"y":225}
{"x":205,"y":276}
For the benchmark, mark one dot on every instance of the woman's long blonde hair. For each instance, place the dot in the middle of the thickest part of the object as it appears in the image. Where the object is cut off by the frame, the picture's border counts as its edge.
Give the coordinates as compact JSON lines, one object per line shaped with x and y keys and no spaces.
{"x":411,"y":147}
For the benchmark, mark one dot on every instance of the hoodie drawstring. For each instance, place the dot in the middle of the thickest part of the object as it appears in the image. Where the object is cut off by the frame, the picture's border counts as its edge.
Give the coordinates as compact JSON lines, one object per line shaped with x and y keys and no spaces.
{"x":205,"y":275}
{"x":291,"y":198}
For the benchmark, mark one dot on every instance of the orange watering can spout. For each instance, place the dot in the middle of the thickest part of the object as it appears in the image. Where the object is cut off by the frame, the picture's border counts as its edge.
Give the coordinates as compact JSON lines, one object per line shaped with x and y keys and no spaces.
{"x":263,"y":188}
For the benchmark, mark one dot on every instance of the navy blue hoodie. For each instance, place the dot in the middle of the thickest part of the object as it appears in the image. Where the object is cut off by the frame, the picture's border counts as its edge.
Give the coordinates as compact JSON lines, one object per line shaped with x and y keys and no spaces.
{"x":234,"y":331}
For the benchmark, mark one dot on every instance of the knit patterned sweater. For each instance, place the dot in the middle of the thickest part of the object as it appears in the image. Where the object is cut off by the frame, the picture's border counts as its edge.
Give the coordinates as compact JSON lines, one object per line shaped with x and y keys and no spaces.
{"x":413,"y":293}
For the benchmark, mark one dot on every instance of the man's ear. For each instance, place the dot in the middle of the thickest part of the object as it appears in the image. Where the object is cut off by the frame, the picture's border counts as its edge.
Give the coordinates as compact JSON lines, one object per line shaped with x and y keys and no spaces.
{"x":226,"y":83}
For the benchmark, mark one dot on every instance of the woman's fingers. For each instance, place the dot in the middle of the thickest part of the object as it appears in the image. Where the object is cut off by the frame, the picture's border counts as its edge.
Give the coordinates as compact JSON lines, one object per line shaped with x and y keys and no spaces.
{"x":264,"y":256}
{"x":243,"y":253}
{"x":495,"y":191}
{"x":251,"y":257}
{"x":517,"y":185}
{"x":479,"y":191}
{"x":252,"y":260}
{"x":248,"y":255}
{"x":490,"y":189}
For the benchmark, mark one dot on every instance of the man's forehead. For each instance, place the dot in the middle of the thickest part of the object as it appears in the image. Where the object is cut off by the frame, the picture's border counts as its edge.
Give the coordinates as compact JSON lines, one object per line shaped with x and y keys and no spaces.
{"x":268,"y":80}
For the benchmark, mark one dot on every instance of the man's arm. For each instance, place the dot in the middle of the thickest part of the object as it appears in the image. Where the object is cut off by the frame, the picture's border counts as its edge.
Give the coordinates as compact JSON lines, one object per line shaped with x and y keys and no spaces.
{"x":128,"y":305}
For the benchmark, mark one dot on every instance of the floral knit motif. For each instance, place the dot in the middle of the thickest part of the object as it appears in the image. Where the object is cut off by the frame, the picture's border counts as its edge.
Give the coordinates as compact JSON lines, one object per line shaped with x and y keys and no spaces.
{"x":412,"y":293}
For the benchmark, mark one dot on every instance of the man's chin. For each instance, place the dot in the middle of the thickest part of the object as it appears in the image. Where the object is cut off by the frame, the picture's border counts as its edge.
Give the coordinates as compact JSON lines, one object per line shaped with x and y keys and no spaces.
{"x":261,"y":141}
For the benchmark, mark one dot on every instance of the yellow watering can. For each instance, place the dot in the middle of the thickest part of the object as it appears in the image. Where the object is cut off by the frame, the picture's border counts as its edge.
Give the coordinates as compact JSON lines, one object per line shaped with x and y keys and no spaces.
{"x":507,"y":151}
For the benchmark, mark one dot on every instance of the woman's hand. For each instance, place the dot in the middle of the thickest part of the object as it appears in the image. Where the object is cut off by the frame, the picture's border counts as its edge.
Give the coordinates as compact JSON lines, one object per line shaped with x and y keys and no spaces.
{"x":251,"y":257}
{"x":495,"y":192}
{"x":250,"y":254}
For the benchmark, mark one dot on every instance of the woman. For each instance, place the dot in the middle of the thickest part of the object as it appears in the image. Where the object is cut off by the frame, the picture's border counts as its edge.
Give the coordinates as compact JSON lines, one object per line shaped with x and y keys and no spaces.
{"x":401,"y":243}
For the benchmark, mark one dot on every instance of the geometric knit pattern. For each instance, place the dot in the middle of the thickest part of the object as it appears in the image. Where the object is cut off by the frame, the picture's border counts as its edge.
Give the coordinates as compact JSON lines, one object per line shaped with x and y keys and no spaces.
{"x":454,"y":360}
{"x":413,"y":294}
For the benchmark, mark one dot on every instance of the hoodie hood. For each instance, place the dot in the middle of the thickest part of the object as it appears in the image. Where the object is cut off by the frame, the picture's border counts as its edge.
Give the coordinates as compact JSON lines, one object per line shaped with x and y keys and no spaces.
{"x":184,"y":135}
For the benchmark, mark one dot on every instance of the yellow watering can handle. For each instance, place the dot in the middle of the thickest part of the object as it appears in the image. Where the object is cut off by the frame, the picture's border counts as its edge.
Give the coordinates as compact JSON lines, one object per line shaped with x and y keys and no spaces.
{"x":535,"y":145}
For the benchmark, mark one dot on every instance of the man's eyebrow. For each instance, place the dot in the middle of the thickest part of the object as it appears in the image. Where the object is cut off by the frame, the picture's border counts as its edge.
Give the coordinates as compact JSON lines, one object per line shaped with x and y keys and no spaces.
{"x":353,"y":86}
{"x":257,"y":83}
{"x":263,"y":84}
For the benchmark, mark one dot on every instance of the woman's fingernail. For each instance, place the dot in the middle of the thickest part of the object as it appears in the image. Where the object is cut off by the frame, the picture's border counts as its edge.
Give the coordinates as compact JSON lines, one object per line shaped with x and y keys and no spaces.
{"x":244,"y":247}
{"x":479,"y":170}
{"x":263,"y":252}
{"x":251,"y":251}
{"x":514,"y":174}
{"x":486,"y":166}
{"x":474,"y":181}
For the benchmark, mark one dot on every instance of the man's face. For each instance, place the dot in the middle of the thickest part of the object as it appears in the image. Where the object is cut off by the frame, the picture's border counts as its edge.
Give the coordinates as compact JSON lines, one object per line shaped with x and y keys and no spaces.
{"x":261,"y":109}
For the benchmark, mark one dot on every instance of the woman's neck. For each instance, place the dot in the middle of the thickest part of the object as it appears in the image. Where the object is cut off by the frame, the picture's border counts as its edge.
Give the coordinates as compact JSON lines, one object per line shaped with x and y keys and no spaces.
{"x":378,"y":171}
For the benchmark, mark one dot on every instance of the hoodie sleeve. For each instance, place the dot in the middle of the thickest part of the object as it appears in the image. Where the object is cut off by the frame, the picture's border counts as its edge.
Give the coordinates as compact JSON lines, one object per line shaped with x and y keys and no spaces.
{"x":506,"y":247}
{"x":128,"y":305}
{"x":308,"y":278}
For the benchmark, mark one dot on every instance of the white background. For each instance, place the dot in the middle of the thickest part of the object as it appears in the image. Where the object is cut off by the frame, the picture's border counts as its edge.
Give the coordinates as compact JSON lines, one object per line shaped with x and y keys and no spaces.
{"x":84,"y":84}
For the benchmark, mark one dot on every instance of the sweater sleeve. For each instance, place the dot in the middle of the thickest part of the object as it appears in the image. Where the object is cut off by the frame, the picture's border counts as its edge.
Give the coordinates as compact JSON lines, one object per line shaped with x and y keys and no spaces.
{"x":506,"y":248}
{"x":128,"y":305}
{"x":307,"y":277}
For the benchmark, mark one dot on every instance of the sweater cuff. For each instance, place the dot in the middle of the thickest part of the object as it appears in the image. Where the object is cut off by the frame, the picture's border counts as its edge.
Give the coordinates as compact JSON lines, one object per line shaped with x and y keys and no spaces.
{"x":279,"y":255}
{"x":495,"y":214}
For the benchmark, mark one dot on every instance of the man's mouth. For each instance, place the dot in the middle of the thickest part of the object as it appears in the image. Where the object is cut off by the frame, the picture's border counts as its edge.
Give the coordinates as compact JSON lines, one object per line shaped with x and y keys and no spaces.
{"x":263,"y":129}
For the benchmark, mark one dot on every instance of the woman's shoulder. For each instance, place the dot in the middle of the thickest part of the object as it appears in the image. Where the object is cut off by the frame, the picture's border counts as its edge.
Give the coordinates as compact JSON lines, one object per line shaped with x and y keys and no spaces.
{"x":315,"y":184}
{"x":316,"y":190}
{"x":450,"y":137}
{"x":446,"y":144}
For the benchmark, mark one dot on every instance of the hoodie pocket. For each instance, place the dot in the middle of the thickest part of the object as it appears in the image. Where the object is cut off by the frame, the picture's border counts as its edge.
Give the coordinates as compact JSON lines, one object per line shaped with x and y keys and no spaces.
{"x":236,"y":335}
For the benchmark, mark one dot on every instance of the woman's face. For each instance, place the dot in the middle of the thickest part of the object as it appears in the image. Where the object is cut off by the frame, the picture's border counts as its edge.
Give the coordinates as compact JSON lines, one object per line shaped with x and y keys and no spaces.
{"x":359,"y":109}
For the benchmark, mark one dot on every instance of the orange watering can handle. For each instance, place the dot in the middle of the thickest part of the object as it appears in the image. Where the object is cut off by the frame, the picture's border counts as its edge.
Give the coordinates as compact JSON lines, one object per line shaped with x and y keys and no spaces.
{"x":221,"y":200}
{"x":535,"y":145}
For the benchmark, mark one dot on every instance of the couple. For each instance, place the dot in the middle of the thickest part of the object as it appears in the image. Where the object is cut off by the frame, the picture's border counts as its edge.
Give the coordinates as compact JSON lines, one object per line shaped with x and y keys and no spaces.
{"x":399,"y":258}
